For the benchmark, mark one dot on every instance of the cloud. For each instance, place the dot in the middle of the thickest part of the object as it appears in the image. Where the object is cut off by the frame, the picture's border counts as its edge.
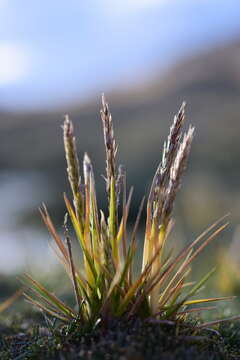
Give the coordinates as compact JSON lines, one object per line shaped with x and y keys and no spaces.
{"x":14,"y":63}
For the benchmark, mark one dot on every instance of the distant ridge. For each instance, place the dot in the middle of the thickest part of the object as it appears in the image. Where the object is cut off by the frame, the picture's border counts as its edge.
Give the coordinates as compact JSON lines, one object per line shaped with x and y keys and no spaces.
{"x":209,"y":82}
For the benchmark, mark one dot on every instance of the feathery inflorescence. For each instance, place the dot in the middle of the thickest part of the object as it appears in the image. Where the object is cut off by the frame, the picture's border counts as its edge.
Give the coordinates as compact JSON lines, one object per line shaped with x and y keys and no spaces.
{"x":110,"y":143}
{"x":73,"y":166}
{"x":176,"y":172}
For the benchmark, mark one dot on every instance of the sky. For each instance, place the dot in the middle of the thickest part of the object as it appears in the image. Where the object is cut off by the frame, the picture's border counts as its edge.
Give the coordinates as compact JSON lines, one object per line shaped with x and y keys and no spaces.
{"x":54,"y":52}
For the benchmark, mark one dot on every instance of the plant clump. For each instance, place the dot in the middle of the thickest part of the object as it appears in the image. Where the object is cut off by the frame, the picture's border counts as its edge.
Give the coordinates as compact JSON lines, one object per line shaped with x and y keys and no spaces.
{"x":105,"y":285}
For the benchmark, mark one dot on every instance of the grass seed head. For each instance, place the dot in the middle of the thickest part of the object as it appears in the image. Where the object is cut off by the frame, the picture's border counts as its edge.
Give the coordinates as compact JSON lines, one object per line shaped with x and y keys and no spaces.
{"x":72,"y":165}
{"x":176,"y":173}
{"x":110,"y":143}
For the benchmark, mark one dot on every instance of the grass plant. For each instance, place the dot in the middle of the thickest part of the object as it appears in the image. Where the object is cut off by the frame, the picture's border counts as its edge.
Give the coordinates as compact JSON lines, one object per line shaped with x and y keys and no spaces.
{"x":105,"y":286}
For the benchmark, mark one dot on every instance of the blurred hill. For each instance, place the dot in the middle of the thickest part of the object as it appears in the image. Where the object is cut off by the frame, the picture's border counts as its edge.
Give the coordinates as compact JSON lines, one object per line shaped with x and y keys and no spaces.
{"x":209,"y":82}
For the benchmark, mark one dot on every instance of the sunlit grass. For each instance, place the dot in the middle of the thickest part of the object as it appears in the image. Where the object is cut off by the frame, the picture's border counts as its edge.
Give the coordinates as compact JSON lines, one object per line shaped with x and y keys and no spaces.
{"x":9,"y":301}
{"x":105,"y":285}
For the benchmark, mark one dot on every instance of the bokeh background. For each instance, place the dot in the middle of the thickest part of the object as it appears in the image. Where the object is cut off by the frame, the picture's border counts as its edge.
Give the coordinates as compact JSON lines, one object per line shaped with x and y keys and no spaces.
{"x":147,"y":56}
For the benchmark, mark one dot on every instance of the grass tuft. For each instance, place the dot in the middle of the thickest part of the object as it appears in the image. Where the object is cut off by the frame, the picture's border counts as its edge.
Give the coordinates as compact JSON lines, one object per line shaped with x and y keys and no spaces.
{"x":105,"y":286}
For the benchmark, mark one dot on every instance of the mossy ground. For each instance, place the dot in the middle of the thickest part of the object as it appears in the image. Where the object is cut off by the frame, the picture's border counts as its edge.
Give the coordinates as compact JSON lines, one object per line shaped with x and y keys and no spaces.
{"x":38,"y":339}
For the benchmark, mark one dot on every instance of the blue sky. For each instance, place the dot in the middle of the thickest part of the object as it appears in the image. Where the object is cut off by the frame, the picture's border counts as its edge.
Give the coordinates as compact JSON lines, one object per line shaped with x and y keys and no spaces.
{"x":53,"y":52}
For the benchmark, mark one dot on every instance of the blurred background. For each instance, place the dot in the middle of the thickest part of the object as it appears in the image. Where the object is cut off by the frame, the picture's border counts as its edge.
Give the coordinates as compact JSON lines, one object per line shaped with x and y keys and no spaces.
{"x":147,"y":56}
